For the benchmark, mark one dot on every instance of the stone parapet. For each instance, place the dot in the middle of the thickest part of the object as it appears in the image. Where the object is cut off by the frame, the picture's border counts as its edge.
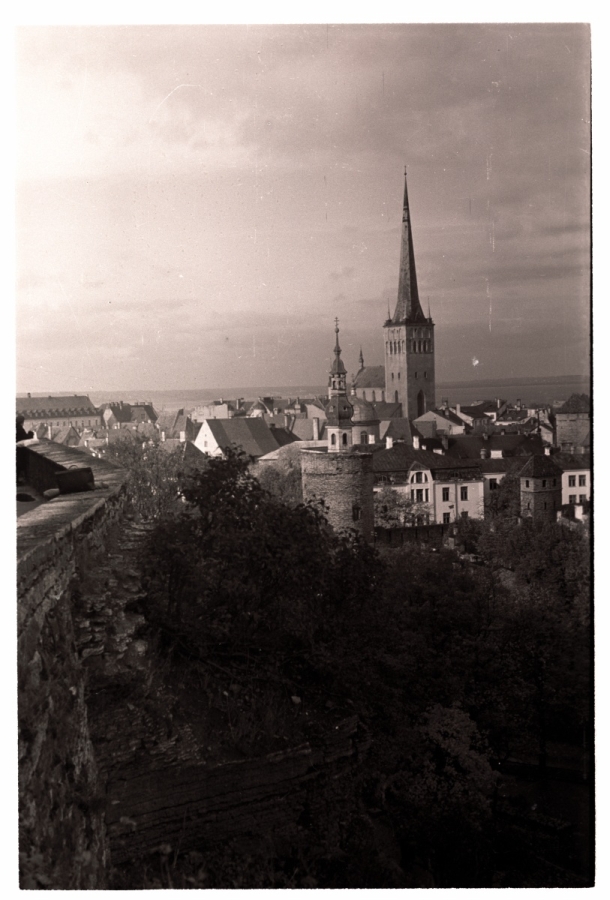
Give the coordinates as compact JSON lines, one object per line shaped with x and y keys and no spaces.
{"x":62,"y":835}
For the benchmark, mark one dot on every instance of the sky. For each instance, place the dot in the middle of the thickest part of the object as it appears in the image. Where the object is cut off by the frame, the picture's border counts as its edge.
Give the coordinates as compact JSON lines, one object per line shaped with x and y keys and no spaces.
{"x":196,"y":204}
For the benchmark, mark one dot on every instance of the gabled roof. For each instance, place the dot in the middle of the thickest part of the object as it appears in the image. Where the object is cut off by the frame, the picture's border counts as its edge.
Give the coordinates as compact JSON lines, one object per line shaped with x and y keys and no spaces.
{"x":540,"y":467}
{"x":448,"y":415}
{"x":385,"y":410}
{"x":53,"y":407}
{"x":570,"y":461}
{"x":469,"y":446}
{"x":303,"y":429}
{"x":67,"y":435}
{"x":283,"y":436}
{"x":578,"y":403}
{"x":401,"y":457}
{"x":399,"y":430}
{"x":370,"y":377}
{"x":253,"y":435}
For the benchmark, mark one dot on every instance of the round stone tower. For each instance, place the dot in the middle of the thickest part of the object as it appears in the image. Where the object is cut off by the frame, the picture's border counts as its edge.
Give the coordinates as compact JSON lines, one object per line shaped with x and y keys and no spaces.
{"x":341,"y":475}
{"x":344,"y":481}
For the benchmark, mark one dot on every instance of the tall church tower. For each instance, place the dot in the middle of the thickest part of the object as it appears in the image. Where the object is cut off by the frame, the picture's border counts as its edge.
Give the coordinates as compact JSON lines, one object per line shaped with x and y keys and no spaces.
{"x":339,"y":410}
{"x":409,"y":337}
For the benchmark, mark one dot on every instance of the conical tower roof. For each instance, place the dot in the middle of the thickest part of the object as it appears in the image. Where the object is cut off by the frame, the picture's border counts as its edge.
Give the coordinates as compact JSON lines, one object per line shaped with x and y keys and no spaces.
{"x":408,"y":306}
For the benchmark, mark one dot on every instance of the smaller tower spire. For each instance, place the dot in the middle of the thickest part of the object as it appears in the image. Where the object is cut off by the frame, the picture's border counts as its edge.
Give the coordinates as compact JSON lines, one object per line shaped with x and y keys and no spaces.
{"x":339,"y":410}
{"x":361,"y":358}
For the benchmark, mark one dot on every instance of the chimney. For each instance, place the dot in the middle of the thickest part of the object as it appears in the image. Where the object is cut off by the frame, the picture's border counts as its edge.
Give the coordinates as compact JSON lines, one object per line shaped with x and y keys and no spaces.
{"x":162,"y":435}
{"x":415,"y":441}
{"x":389,"y":442}
{"x":458,"y":408}
{"x":518,"y":403}
{"x":547,"y":451}
{"x":29,"y":396}
{"x":316,"y":428}
{"x":445,"y":403}
{"x":445,"y":441}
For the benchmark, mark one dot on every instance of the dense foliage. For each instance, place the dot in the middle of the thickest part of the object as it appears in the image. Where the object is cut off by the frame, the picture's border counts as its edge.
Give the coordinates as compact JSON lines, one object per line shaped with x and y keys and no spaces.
{"x":452,"y":668}
{"x":152,"y":472}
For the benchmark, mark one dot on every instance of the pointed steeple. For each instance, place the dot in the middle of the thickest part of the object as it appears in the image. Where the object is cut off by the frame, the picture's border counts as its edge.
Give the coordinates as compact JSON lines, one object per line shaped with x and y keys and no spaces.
{"x":339,"y":411}
{"x":361,"y":359}
{"x":408,"y":306}
{"x":337,"y":368}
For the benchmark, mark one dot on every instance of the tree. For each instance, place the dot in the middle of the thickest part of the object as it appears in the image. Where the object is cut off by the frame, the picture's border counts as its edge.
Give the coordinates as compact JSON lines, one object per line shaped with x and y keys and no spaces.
{"x":283,"y":478}
{"x":505,"y":500}
{"x":395,"y":509}
{"x":152,"y":473}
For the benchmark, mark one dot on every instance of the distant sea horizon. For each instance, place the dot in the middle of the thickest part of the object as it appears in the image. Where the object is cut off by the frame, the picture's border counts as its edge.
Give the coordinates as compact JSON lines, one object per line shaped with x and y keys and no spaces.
{"x":541,"y":389}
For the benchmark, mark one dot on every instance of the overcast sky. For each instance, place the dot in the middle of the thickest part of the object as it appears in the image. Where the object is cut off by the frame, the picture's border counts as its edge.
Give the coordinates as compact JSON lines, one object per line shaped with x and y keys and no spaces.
{"x":197,"y":203}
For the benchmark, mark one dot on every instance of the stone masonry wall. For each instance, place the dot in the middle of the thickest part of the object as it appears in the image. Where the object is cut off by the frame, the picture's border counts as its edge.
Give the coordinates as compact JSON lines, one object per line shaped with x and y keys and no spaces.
{"x":62,"y":840}
{"x":342,"y":481}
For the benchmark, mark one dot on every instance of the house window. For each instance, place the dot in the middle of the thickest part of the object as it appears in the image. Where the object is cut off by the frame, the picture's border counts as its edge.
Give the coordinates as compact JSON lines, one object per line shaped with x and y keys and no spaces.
{"x":418,"y":477}
{"x":527,"y":482}
{"x":399,"y":376}
{"x":572,"y":498}
{"x":446,"y":496}
{"x":571,"y":480}
{"x":419,"y":495}
{"x":544,"y":485}
{"x":344,"y":439}
{"x":363,"y":437}
{"x":356,"y":513}
{"x":463,"y":493}
{"x":582,"y":498}
{"x":427,"y":495}
{"x":412,"y":496}
{"x":425,"y":374}
{"x":446,"y":518}
{"x":416,"y":374}
{"x":373,"y":396}
{"x":582,"y":480}
{"x":392,"y":376}
{"x":464,"y":514}
{"x":333,"y":439}
{"x":493,"y":484}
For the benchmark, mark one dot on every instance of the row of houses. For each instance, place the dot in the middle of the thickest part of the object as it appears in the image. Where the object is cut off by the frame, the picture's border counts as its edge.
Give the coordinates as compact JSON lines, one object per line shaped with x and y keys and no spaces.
{"x":440,"y":460}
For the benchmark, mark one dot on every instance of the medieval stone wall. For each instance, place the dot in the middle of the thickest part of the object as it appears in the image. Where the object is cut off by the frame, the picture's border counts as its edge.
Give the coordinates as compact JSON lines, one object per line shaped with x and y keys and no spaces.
{"x":62,"y":838}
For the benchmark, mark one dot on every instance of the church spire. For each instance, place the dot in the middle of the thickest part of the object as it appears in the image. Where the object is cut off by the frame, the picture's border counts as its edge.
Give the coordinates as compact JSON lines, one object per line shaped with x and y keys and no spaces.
{"x":337,"y":368}
{"x":361,"y":359}
{"x":408,"y":306}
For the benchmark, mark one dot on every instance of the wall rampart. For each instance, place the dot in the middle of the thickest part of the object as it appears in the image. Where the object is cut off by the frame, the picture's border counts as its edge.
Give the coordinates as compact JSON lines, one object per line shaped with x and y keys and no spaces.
{"x":62,"y":836}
